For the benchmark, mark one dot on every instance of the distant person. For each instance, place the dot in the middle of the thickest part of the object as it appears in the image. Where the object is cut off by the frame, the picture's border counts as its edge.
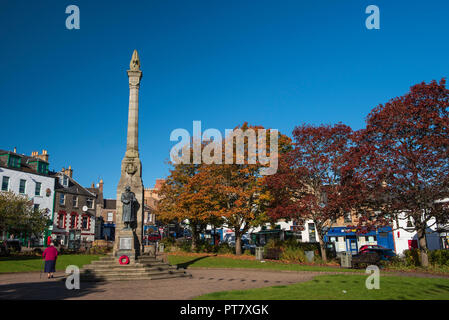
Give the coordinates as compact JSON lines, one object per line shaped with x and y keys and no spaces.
{"x":50,"y":254}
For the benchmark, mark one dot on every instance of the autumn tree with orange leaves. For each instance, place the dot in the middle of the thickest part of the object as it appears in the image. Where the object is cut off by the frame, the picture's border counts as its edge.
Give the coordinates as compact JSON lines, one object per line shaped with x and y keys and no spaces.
{"x":235,"y":192}
{"x":239,"y":187}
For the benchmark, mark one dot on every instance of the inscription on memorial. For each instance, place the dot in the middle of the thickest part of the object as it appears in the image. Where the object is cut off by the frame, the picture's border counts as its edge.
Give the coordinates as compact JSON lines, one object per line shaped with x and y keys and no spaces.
{"x":125,"y":243}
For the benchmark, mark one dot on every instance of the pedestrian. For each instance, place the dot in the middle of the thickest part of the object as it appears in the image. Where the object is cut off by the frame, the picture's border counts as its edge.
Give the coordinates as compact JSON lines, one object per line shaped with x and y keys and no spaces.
{"x":50,"y":254}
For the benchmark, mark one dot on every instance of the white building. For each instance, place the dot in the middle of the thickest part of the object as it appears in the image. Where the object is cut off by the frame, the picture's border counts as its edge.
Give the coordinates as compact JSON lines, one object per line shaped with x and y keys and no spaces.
{"x":28,"y":176}
{"x":405,"y":236}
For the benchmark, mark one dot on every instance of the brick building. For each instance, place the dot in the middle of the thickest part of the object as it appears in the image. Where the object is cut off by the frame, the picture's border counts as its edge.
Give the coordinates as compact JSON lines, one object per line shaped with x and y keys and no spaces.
{"x":150,"y":199}
{"x":105,"y":214}
{"x":75,"y":208}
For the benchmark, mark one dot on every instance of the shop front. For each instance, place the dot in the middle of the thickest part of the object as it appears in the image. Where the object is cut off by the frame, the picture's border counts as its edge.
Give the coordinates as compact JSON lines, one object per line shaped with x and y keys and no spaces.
{"x":347,"y":239}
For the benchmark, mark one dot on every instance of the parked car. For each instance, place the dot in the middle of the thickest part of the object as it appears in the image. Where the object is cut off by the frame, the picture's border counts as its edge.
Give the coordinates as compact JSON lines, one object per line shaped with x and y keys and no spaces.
{"x":153,"y":237}
{"x":371,"y":255}
{"x":384,"y":253}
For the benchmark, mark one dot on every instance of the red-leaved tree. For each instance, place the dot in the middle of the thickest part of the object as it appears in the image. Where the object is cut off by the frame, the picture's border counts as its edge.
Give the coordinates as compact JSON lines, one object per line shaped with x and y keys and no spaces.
{"x":308,"y":184}
{"x":401,"y":160}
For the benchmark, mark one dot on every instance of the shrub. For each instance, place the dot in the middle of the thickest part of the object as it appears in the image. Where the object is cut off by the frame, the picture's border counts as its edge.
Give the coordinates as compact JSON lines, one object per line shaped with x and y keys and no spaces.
{"x":168,"y":242}
{"x":204,"y":246}
{"x":412,"y":257}
{"x":225,"y":248}
{"x":439,"y":257}
{"x":99,"y":250}
{"x":185,"y":245}
{"x":273,"y":253}
{"x":293,"y":254}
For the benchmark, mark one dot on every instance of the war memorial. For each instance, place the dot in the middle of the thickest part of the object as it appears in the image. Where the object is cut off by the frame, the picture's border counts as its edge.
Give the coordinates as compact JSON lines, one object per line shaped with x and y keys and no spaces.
{"x":129,"y":261}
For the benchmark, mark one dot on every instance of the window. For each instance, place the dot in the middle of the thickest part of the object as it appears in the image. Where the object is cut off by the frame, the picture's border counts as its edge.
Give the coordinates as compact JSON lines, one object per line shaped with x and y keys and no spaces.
{"x":5,"y":183}
{"x":37,"y":191}
{"x":42,"y":167}
{"x":110,"y":216}
{"x":371,"y":238}
{"x":348,"y":217}
{"x":312,"y":236}
{"x":14,"y":162}
{"x":90,"y":203}
{"x":36,"y":207}
{"x":62,"y":199}
{"x":61,"y":220}
{"x":64,"y":180}
{"x":22,"y":186}
{"x":85,"y":222}
{"x":409,"y":222}
{"x":75,"y":201}
{"x":73,"y":221}
{"x":333,"y":239}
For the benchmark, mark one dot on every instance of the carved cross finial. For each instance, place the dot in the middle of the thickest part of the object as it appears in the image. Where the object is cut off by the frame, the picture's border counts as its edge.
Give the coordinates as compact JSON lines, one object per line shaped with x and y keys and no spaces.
{"x":135,"y":61}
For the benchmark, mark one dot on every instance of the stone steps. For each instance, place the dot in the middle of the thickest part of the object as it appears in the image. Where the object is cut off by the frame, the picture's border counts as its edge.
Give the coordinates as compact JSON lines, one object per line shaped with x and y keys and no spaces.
{"x":144,"y":268}
{"x":112,"y":276}
{"x":115,"y":262}
{"x":128,"y":268}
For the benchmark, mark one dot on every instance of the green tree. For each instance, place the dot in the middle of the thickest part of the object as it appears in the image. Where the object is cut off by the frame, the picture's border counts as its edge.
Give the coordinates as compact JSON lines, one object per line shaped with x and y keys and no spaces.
{"x":18,"y":217}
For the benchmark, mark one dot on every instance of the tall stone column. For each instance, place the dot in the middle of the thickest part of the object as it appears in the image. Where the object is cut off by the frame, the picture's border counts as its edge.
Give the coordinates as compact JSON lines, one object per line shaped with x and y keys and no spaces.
{"x":129,"y":241}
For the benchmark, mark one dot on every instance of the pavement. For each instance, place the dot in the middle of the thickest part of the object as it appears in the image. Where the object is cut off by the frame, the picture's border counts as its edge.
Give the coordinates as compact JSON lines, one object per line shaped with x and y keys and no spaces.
{"x":29,"y":286}
{"x":25,"y":286}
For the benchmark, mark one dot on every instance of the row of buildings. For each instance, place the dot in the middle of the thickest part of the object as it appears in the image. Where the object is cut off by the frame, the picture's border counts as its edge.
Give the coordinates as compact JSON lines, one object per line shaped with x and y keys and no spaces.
{"x":77,"y":212}
{"x":82,"y":213}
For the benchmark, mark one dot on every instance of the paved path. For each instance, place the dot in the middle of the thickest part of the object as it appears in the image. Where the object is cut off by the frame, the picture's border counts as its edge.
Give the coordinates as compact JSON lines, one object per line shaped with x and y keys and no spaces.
{"x":29,"y":286}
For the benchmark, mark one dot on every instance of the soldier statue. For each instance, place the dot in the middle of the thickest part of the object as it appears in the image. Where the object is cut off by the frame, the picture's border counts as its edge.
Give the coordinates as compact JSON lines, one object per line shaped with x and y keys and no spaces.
{"x":128,"y":200}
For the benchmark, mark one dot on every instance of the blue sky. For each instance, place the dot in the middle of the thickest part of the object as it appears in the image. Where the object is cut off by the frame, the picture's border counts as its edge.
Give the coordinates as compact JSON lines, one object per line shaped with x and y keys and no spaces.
{"x":271,"y":63}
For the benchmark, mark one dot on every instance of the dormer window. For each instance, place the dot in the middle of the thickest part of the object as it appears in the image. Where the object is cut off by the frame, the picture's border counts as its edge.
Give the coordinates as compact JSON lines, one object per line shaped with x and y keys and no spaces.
{"x":64,"y":181}
{"x":14,"y":161}
{"x":42,"y":167}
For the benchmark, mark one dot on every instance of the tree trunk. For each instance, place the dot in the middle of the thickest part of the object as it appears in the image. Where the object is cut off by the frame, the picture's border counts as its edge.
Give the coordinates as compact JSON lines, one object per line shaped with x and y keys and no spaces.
{"x":238,"y":243}
{"x":423,"y":247}
{"x":195,"y":236}
{"x":322,"y":248}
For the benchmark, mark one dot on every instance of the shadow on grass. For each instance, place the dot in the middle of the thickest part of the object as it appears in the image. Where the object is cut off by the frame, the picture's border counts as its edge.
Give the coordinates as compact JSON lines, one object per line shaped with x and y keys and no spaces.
{"x":14,"y":258}
{"x":185,"y":265}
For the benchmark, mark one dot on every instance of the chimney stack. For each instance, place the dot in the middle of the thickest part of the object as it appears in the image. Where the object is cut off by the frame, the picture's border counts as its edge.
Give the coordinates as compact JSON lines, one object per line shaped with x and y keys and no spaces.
{"x":67,"y":172}
{"x":101,"y":186}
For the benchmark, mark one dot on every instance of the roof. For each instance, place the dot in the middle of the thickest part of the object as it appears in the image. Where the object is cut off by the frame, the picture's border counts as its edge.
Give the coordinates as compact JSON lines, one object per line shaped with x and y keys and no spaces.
{"x":159,"y":183}
{"x":25,"y":163}
{"x":110,"y":204}
{"x":97,"y":192}
{"x":73,"y":187}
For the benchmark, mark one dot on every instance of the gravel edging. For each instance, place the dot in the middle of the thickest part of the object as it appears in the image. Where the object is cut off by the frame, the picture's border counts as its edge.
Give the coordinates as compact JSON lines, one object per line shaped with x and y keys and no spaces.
{"x":383,"y":273}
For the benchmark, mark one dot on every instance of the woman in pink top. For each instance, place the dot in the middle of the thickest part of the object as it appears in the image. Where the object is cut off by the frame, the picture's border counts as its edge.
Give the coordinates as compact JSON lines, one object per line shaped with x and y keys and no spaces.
{"x":50,"y":254}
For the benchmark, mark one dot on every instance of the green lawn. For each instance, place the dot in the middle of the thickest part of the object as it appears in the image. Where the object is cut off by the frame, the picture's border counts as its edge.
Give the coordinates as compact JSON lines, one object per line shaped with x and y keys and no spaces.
{"x":27,"y":263}
{"x":344,"y":287}
{"x":223,"y":262}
